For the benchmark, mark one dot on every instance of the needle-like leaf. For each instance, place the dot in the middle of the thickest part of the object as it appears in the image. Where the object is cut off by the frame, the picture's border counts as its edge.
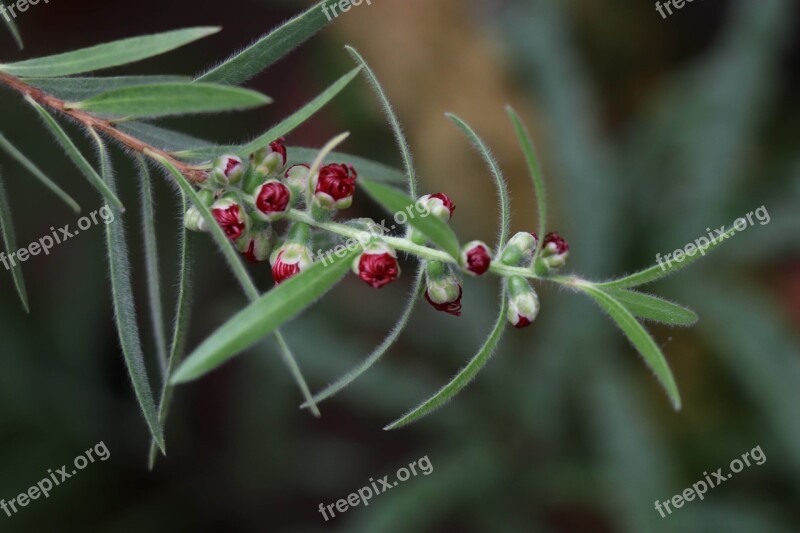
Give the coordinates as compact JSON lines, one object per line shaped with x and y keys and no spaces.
{"x":12,"y":27}
{"x":10,"y":244}
{"x":106,"y":55}
{"x":654,"y":308}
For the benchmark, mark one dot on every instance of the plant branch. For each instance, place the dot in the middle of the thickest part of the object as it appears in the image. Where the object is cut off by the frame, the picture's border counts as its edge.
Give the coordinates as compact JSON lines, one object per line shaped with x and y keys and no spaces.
{"x":192,"y":173}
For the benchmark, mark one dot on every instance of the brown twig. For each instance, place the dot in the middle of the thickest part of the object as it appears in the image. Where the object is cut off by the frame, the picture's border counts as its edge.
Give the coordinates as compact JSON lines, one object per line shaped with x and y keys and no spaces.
{"x":192,"y":173}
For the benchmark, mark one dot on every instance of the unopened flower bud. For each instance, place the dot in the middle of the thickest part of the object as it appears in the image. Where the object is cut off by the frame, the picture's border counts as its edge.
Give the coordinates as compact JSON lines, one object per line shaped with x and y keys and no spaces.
{"x":297,"y":179}
{"x":256,"y":244}
{"x":519,"y":250}
{"x":443,"y":289}
{"x":194,"y":221}
{"x":334,"y":186}
{"x":523,"y":304}
{"x":272,"y":199}
{"x":555,"y":251}
{"x":377,"y":266}
{"x":290,"y":260}
{"x":230,"y":216}
{"x":439,"y":205}
{"x":228,"y":170}
{"x":271,"y":159}
{"x":476,"y":258}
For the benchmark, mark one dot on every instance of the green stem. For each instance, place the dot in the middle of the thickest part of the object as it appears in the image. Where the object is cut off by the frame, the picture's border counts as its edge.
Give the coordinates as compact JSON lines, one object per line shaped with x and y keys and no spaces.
{"x":405,"y":245}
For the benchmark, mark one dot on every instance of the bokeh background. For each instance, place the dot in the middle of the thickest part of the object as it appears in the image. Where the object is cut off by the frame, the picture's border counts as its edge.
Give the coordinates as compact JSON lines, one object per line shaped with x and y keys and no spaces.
{"x":649,"y":130}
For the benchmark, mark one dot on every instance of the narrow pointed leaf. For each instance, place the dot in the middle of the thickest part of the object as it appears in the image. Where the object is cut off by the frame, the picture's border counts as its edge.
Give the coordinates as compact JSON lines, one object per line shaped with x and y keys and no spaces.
{"x":263,"y":317}
{"x":166,"y":99}
{"x":106,"y":55}
{"x":77,"y":158}
{"x":125,"y":309}
{"x":640,"y":338}
{"x":663,"y":268}
{"x":161,"y":138}
{"x":10,"y":245}
{"x":180,"y":327}
{"x":534,"y":168}
{"x":38,"y":174}
{"x":400,"y":138}
{"x":151,"y":264}
{"x":12,"y":27}
{"x":291,"y":363}
{"x":77,"y":89}
{"x":396,"y":201}
{"x":464,"y":376}
{"x":497,"y":174}
{"x":651,"y":307}
{"x":376,"y":355}
{"x":270,"y":48}
{"x":285,"y":127}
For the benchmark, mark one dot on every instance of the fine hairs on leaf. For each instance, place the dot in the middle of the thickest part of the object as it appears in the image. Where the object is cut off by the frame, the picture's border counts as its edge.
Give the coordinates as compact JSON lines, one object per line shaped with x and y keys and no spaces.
{"x":124,"y":308}
{"x":151,"y":264}
{"x":180,"y":326}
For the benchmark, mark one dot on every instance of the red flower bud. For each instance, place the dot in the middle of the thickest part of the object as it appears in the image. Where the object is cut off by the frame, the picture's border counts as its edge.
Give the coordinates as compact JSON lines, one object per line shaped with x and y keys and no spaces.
{"x":230,"y":216}
{"x":256,"y":245}
{"x":377,"y":266}
{"x":270,"y":159}
{"x":228,"y":170}
{"x":453,"y":307}
{"x":272,"y":199}
{"x":476,"y":258}
{"x":278,"y":147}
{"x":555,"y":251}
{"x":439,"y":205}
{"x":523,"y":302}
{"x":290,"y":260}
{"x":335,"y":185}
{"x":296,"y":178}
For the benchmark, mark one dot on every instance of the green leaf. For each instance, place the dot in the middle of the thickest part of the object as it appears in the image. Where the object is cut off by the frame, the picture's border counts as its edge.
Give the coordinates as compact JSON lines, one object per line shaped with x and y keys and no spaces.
{"x":161,"y":138}
{"x":234,"y":262}
{"x":76,"y":89}
{"x":367,"y":169}
{"x":654,"y":308}
{"x":124,"y":307}
{"x":12,"y":27}
{"x":534,"y":168}
{"x":663,"y":268}
{"x":402,"y":143}
{"x":166,"y":99}
{"x":497,"y":174}
{"x":106,"y":55}
{"x":396,"y":201}
{"x":640,"y":339}
{"x":38,"y":174}
{"x":263,"y":317}
{"x":77,"y":158}
{"x":379,"y":352}
{"x":270,"y":48}
{"x":181,"y":327}
{"x":10,"y":244}
{"x":285,"y":127}
{"x":151,"y":263}
{"x":464,"y":377}
{"x":291,"y":363}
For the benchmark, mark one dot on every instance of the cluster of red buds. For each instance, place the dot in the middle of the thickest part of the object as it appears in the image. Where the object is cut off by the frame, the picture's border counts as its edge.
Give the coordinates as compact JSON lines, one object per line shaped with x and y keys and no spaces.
{"x":248,"y":197}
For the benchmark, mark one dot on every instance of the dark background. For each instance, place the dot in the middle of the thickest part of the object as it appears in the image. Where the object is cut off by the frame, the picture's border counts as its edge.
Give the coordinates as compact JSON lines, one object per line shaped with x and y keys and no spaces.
{"x":650,"y":130}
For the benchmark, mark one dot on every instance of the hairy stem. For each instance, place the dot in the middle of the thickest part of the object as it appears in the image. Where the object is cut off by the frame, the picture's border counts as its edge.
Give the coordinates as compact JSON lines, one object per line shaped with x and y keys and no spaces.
{"x":192,"y":173}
